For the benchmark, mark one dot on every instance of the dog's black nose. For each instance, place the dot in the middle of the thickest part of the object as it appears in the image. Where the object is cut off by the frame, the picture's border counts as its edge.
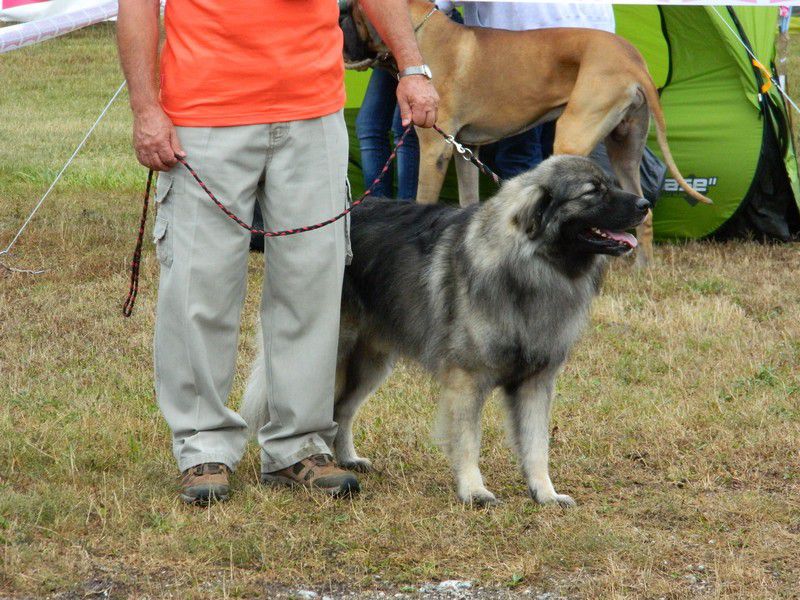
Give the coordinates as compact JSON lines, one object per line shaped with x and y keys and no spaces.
{"x":642,"y":204}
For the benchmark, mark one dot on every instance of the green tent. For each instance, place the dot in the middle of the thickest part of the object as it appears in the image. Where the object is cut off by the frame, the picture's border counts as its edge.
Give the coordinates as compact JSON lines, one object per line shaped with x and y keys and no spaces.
{"x":730,"y":140}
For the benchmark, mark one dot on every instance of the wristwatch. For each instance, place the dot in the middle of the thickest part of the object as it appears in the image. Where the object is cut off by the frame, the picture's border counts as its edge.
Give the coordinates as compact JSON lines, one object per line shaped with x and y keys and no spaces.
{"x":417,"y":70}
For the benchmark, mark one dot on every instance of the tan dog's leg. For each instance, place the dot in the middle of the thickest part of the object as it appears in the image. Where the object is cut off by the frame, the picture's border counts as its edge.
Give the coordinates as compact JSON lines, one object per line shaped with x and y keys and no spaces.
{"x":468,"y":181}
{"x":460,"y":429}
{"x":434,"y":157}
{"x":625,"y":147}
{"x":580,"y":128}
{"x":644,"y":233}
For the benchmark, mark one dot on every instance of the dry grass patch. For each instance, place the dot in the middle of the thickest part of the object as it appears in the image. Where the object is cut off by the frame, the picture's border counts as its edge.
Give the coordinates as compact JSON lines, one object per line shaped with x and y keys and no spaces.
{"x":676,"y":428}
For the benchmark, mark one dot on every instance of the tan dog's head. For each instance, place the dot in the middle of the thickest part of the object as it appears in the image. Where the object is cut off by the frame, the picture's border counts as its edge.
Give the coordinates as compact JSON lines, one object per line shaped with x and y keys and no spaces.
{"x":363,"y":47}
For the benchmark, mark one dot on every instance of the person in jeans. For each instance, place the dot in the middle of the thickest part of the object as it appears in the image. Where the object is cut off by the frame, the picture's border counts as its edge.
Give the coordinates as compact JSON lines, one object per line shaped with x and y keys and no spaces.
{"x":379,"y":116}
{"x":253,"y":99}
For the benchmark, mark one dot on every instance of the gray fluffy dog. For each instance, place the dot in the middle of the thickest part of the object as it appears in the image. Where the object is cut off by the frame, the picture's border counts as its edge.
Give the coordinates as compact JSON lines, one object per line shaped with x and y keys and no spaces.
{"x":485,"y":297}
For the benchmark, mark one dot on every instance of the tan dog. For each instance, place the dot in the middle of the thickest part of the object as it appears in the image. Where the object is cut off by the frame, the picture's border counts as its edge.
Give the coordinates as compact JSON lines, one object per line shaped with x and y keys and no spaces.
{"x":495,"y":83}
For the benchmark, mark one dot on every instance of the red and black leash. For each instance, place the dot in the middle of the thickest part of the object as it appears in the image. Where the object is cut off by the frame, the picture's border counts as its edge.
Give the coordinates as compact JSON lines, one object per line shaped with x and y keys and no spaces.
{"x":127,"y":308}
{"x":133,"y":290}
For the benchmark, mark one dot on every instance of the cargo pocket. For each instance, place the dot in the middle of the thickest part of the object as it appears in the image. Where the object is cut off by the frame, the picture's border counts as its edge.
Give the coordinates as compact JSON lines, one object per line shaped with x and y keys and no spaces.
{"x":161,"y":237}
{"x":163,"y":241}
{"x":163,"y":186}
{"x":348,"y":200}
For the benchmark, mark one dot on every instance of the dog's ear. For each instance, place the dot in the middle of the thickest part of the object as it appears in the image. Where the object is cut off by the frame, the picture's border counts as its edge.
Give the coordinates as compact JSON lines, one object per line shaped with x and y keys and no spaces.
{"x":529,"y":217}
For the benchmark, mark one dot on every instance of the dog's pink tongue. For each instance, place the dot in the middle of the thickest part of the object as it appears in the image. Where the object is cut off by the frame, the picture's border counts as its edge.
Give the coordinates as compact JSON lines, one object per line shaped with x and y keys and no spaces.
{"x":623,"y":236}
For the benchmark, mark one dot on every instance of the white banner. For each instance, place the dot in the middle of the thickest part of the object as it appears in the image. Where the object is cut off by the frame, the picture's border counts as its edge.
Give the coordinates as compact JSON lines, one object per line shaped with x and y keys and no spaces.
{"x":30,"y":10}
{"x":45,"y":19}
{"x":24,"y":10}
{"x":39,"y":30}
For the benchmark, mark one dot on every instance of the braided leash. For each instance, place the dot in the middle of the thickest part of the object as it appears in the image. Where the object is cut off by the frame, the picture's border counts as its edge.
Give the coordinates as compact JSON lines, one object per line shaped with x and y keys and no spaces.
{"x":127,"y":308}
{"x":133,"y":290}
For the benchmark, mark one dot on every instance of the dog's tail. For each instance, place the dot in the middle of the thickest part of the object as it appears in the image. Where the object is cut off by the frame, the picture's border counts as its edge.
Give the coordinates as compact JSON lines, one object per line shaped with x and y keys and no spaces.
{"x":654,"y":104}
{"x":254,"y":409}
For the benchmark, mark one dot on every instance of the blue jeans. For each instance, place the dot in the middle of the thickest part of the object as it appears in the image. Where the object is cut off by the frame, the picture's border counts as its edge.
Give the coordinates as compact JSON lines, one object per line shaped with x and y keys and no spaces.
{"x":378,"y":115}
{"x":518,"y":153}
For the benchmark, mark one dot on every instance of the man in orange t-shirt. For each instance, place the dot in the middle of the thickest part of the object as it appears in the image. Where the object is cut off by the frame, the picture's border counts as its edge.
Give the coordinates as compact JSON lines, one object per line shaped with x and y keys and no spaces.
{"x":252,"y":94}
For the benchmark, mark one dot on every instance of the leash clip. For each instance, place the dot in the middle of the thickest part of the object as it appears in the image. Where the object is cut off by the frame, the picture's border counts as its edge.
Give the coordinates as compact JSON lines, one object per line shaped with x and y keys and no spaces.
{"x":465,"y":152}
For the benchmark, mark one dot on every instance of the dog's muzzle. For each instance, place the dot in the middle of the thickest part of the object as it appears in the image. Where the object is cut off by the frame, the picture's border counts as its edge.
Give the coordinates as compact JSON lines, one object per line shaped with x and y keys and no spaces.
{"x":356,"y":49}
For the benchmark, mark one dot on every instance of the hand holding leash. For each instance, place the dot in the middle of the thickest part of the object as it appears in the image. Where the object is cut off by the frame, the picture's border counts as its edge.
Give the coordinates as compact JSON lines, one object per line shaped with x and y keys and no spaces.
{"x":418,"y":101}
{"x":155,"y":140}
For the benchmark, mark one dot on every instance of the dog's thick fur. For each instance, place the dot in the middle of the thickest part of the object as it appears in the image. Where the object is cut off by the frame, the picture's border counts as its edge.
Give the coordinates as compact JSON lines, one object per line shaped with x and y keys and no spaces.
{"x":483,"y":297}
{"x":495,"y":83}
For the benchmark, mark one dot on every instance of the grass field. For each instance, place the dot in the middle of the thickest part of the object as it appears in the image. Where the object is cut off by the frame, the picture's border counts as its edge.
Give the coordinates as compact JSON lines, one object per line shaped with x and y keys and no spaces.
{"x":676,"y":428}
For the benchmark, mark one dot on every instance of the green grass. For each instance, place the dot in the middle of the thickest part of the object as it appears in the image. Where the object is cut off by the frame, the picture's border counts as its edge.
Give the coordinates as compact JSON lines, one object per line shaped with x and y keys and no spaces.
{"x":676,"y":426}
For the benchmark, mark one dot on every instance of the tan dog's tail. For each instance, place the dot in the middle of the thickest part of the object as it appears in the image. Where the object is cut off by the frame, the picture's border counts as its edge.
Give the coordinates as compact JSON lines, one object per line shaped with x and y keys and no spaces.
{"x":654,"y":104}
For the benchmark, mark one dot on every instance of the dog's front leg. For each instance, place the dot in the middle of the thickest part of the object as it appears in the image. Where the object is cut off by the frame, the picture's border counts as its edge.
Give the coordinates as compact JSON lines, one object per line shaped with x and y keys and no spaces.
{"x":460,"y":427}
{"x":644,"y":233}
{"x":529,"y":407}
{"x":468,"y":181}
{"x":434,"y":157}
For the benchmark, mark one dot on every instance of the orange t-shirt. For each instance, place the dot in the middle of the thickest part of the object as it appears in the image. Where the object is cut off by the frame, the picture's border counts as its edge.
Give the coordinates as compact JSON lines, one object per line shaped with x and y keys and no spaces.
{"x":248,"y":62}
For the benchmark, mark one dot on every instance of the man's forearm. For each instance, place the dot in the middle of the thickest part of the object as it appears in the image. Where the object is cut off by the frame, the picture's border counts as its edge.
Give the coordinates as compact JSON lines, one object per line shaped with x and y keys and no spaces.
{"x":154,"y":137}
{"x":137,"y":39}
{"x":391,"y":19}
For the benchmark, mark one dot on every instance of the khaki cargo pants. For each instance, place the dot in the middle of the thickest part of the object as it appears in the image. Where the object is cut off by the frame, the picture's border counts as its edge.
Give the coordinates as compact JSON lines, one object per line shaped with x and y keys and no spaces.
{"x":297,"y":171}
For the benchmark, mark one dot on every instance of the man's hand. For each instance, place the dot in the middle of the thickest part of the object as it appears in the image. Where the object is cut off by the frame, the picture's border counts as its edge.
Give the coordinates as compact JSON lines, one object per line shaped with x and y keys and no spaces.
{"x":155,"y":140}
{"x":418,"y":101}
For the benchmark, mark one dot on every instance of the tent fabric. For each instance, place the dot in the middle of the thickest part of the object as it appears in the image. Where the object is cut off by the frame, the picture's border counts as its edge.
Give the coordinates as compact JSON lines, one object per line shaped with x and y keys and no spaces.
{"x":717,"y":125}
{"x":706,"y":110}
{"x":716,"y":119}
{"x":768,"y":211}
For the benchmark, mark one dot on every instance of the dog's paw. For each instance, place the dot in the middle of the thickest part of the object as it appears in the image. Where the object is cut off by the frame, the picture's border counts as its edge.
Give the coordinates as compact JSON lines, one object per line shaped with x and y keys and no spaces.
{"x":358,"y":464}
{"x":561,"y":499}
{"x":642,"y":262}
{"x":480,"y":497}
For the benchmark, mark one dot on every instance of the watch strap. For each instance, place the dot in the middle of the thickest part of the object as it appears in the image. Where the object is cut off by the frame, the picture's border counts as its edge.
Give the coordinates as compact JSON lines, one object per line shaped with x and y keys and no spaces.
{"x":415,"y":70}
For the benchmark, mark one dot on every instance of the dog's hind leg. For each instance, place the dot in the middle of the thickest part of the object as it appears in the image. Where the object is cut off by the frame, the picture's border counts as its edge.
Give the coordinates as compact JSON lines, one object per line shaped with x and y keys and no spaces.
{"x":361,"y":373}
{"x":644,"y":233}
{"x":579,"y":131}
{"x":468,"y":181}
{"x":625,"y":146}
{"x":529,"y":424}
{"x":460,"y":426}
{"x":434,"y":157}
